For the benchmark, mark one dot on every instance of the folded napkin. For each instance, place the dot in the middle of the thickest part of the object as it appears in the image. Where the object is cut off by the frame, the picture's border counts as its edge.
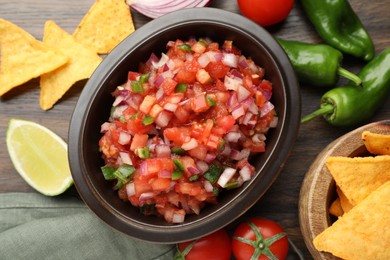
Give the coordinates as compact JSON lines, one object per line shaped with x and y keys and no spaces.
{"x":33,"y":226}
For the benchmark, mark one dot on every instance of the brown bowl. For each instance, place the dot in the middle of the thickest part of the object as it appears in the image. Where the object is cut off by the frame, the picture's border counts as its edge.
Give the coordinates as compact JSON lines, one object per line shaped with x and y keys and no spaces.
{"x":319,"y":189}
{"x":93,"y":108}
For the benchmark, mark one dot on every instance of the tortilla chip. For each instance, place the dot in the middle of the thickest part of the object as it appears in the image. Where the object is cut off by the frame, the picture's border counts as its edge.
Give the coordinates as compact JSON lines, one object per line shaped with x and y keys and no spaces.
{"x":335,"y":208}
{"x":363,"y":232}
{"x":359,"y":176}
{"x":344,"y":202}
{"x":23,"y":57}
{"x":82,"y":63}
{"x":105,"y":25}
{"x":376,"y":143}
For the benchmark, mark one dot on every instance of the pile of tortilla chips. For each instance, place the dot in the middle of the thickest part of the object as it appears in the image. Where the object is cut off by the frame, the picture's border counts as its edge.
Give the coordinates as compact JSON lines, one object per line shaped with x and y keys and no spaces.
{"x":362,"y":230}
{"x":61,"y":59}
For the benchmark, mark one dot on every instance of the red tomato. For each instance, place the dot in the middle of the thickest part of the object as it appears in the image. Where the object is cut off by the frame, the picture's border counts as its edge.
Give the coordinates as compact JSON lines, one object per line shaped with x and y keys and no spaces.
{"x":216,"y":246}
{"x":266,"y":12}
{"x":267,"y":229}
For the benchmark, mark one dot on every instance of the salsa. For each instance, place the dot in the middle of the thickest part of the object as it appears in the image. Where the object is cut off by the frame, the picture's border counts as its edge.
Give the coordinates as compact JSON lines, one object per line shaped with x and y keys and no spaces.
{"x":183,"y":127}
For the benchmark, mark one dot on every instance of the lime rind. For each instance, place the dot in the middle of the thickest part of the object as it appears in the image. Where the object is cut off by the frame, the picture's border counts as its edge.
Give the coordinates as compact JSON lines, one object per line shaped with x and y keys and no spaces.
{"x":19,"y":163}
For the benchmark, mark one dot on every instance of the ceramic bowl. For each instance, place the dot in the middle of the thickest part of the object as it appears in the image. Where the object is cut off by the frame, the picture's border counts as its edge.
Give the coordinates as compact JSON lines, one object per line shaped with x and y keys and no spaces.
{"x":93,"y":109}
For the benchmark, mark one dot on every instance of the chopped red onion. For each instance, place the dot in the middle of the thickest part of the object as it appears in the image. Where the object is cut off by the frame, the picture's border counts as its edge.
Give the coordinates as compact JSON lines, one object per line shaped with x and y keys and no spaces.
{"x":232,"y":83}
{"x":163,"y":118}
{"x":233,"y":137}
{"x":146,"y":196}
{"x":191,"y":144}
{"x":164,"y":58}
{"x":230,"y":59}
{"x":164,"y":173}
{"x":125,"y":157}
{"x":178,"y":218}
{"x":163,"y":151}
{"x":245,"y":173}
{"x":170,"y":107}
{"x":204,"y":59}
{"x":105,"y":127}
{"x":130,"y":189}
{"x":193,"y":170}
{"x":208,"y":186}
{"x":274,"y":122}
{"x":118,"y":100}
{"x":266,"y":108}
{"x":258,"y":138}
{"x":202,"y":166}
{"x":226,"y":175}
{"x":210,"y":157}
{"x":242,"y":93}
{"x":118,"y":112}
{"x":124,"y":138}
{"x":238,"y":111}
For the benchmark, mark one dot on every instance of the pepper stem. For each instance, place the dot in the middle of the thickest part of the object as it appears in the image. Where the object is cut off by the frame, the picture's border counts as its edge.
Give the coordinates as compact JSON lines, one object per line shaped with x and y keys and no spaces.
{"x":349,"y":75}
{"x":323,"y":110}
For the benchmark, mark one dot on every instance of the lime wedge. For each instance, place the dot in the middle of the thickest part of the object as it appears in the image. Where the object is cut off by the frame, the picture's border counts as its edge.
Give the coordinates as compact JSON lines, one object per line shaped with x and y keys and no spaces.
{"x":39,"y":156}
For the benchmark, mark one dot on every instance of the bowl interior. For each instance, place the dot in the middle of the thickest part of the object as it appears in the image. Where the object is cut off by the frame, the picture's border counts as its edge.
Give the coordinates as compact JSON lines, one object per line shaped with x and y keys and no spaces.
{"x":93,"y":109}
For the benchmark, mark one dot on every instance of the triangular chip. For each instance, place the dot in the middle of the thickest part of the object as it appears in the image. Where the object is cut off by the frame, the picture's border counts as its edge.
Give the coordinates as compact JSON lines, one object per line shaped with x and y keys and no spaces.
{"x":105,"y":25}
{"x":344,"y":202}
{"x":376,"y":143}
{"x":357,"y":177}
{"x":363,"y":232}
{"x":23,"y":57}
{"x":82,"y":63}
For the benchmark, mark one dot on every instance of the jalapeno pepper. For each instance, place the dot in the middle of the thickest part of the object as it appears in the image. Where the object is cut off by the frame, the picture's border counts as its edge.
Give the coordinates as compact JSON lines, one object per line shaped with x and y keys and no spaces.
{"x":316,"y":64}
{"x":351,"y":104}
{"x":339,"y":26}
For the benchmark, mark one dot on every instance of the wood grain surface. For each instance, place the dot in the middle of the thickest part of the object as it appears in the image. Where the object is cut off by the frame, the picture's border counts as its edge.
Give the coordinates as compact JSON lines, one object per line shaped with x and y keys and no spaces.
{"x":281,"y":201}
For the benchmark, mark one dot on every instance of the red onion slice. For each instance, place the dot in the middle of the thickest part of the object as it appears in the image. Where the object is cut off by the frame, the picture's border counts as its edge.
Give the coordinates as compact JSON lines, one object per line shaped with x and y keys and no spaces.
{"x":156,"y":8}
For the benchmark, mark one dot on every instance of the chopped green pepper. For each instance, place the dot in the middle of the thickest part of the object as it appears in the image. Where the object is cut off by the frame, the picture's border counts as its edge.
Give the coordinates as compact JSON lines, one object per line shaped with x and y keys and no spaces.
{"x":339,"y":26}
{"x":181,"y":88}
{"x":147,"y":120}
{"x":316,"y":64}
{"x":194,"y":177}
{"x":178,"y":164}
{"x":213,"y":173}
{"x":176,"y":174}
{"x":351,"y":104}
{"x":137,"y":87}
{"x":185,"y":47}
{"x":143,"y":153}
{"x":178,"y":150}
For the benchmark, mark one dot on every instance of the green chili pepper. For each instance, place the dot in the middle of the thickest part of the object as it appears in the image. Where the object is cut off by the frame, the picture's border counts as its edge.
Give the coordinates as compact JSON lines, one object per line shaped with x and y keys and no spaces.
{"x":349,"y":105}
{"x":339,"y":26}
{"x":316,"y":64}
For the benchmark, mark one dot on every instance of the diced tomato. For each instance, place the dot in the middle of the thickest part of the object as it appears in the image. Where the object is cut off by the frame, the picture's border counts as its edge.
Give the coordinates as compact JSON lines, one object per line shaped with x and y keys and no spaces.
{"x":185,"y":76}
{"x":182,"y":113}
{"x":155,"y":110}
{"x":266,"y":85}
{"x":168,"y":85}
{"x":188,"y":188}
{"x":214,"y":141}
{"x":178,"y":135}
{"x":153,"y":165}
{"x":135,"y":125}
{"x":199,"y":47}
{"x":138,"y":141}
{"x":226,"y":122}
{"x":160,"y":184}
{"x":147,"y":103}
{"x":141,"y":186}
{"x":133,"y":76}
{"x":199,"y":103}
{"x":198,"y":152}
{"x":217,"y":70}
{"x":203,"y":76}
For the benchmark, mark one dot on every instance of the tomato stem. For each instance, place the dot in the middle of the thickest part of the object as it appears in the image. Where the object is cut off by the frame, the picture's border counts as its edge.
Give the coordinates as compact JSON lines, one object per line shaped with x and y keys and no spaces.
{"x":261,"y":244}
{"x":181,"y":255}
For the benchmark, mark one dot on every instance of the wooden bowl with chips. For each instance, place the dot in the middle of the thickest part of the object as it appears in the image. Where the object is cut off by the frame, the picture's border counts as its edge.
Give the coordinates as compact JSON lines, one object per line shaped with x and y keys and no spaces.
{"x":94,"y":104}
{"x":319,"y":194}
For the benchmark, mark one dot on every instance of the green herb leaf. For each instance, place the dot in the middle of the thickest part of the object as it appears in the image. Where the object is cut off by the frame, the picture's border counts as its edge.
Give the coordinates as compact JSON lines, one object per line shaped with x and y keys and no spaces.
{"x":181,"y":88}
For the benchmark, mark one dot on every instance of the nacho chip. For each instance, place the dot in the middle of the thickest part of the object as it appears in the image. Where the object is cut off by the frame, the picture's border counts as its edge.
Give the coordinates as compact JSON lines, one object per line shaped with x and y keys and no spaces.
{"x":335,"y":208}
{"x":82,"y":63}
{"x":344,"y":202}
{"x":23,"y":57}
{"x":363,"y":232}
{"x":105,"y":25}
{"x":359,"y":176}
{"x":376,"y":143}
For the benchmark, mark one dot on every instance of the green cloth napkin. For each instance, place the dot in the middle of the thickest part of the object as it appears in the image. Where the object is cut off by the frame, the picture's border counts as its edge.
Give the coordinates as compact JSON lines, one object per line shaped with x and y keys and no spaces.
{"x":33,"y":226}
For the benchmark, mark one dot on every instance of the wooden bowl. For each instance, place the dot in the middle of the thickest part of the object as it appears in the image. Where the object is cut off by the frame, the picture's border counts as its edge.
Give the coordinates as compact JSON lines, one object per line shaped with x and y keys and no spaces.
{"x":319,"y":190}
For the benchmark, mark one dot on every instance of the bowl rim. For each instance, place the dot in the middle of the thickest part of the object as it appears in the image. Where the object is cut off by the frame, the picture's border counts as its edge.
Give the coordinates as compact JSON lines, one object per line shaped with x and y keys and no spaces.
{"x":287,"y":136}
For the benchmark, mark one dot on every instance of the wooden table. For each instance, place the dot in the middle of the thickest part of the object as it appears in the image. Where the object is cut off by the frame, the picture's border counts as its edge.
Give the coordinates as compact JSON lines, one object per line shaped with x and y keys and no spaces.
{"x":281,"y":201}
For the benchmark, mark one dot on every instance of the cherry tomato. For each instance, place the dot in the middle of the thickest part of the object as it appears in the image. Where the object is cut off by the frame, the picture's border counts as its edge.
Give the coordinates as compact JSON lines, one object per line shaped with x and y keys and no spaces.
{"x":266,"y":12}
{"x":261,"y":239}
{"x":216,"y":246}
